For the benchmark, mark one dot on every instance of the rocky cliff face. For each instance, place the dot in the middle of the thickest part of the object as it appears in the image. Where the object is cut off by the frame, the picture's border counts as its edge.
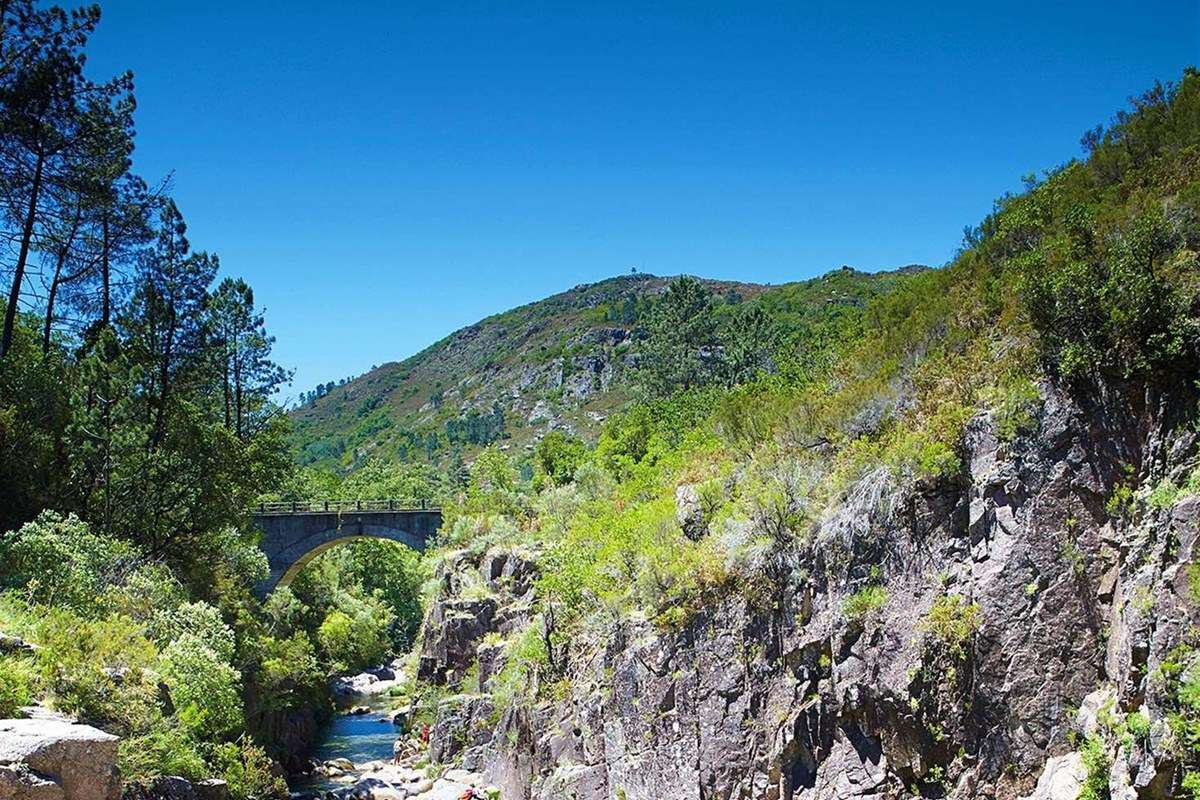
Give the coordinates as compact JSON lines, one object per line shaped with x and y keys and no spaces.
{"x":1024,"y":605}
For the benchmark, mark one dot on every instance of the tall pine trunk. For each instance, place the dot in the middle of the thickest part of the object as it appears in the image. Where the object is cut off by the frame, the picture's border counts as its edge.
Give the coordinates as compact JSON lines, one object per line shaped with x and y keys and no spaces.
{"x":14,"y":294}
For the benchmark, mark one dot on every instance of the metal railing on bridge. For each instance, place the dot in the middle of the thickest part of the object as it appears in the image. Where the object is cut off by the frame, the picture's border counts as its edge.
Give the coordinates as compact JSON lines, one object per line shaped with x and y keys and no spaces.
{"x":329,"y":506}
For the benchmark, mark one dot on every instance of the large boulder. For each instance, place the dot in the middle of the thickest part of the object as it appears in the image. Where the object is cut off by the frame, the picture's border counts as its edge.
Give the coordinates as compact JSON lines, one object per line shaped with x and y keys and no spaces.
{"x":80,"y":760}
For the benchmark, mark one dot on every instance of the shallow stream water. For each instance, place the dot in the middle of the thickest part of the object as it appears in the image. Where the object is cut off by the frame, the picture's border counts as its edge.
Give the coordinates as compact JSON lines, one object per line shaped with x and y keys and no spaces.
{"x":360,"y":738}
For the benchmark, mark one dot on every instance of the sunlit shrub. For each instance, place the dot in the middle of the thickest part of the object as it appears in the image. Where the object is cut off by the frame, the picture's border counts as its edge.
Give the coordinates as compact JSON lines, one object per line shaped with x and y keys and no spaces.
{"x":100,"y":670}
{"x":248,"y":771}
{"x":864,"y":602}
{"x":952,"y":622}
{"x":205,"y":690}
{"x":16,"y":679}
{"x":167,"y":749}
{"x":197,"y":619}
{"x":354,"y":635}
{"x":289,"y":674}
{"x":59,"y":560}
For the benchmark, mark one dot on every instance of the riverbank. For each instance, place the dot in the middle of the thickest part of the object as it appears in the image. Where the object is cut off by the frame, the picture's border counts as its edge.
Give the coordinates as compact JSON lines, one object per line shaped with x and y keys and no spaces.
{"x":367,"y":752}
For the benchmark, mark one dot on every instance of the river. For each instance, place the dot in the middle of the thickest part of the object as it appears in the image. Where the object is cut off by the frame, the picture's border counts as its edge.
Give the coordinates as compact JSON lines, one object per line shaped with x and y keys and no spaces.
{"x":358,"y":737}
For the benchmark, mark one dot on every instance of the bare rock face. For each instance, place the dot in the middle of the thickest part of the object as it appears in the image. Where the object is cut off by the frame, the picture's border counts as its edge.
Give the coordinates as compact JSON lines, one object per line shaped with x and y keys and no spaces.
{"x":777,"y":694}
{"x":42,"y":758}
{"x":462,"y":729}
{"x":18,"y":782}
{"x":1061,"y":779}
{"x":689,"y":512}
{"x":455,"y":626}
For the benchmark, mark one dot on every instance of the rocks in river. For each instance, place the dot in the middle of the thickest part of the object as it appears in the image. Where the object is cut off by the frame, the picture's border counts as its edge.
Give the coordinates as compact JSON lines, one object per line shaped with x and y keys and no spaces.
{"x":46,"y":759}
{"x":359,"y":711}
{"x":400,"y":717}
{"x":372,"y":681}
{"x":390,"y":782}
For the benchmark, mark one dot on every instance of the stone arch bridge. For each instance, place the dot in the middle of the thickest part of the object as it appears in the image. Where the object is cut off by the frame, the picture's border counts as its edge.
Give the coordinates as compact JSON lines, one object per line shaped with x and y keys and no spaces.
{"x":295,"y":533}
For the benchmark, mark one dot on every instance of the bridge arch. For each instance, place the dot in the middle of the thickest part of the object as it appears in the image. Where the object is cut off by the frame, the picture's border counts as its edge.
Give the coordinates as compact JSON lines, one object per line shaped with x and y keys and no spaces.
{"x":294,"y":536}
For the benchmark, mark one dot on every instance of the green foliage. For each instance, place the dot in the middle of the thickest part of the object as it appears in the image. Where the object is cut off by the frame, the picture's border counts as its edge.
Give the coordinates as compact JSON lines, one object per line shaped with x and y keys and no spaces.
{"x":1163,"y":495}
{"x":381,"y":480}
{"x":864,"y":602}
{"x":167,"y":749}
{"x":354,"y":635}
{"x":556,"y":458}
{"x":1015,"y":403}
{"x":1180,"y":676}
{"x":60,"y":560}
{"x":952,"y":622}
{"x":248,"y":770}
{"x":100,"y":670}
{"x":476,"y":428}
{"x":1106,"y":261}
{"x":1120,"y":500}
{"x":205,"y":690}
{"x":16,"y":685}
{"x":526,"y":661}
{"x":677,"y":354}
{"x":1138,"y":725}
{"x":1096,"y":763}
{"x":198,"y":620}
{"x":289,"y":676}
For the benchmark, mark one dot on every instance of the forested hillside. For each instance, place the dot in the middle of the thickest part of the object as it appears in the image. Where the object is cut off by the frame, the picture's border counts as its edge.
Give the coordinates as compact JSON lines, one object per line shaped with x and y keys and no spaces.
{"x":561,"y":364}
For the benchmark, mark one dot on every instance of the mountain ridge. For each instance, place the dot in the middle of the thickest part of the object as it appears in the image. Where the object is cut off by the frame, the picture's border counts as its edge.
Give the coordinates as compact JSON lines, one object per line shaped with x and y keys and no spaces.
{"x":560,"y":363}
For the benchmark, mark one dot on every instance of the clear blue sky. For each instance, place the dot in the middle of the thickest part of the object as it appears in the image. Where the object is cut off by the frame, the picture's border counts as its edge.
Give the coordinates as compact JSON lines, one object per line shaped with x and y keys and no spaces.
{"x":383,"y":173}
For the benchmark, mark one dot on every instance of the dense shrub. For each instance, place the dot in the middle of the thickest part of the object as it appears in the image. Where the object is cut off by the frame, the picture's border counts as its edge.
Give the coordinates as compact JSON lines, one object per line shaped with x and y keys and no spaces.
{"x":15,"y":685}
{"x":354,"y":635}
{"x":60,"y":560}
{"x":248,"y":771}
{"x":167,"y":749}
{"x":556,"y":458}
{"x":100,"y":670}
{"x":864,"y":602}
{"x":1105,"y":249}
{"x":198,"y":620}
{"x":952,"y":622}
{"x":205,"y":690}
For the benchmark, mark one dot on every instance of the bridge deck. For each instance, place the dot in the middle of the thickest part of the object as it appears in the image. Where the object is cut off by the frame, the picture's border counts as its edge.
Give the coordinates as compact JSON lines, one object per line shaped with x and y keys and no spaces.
{"x":328,"y":506}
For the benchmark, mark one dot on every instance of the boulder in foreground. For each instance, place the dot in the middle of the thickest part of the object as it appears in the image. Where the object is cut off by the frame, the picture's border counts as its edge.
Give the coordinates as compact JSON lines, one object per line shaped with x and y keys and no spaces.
{"x":46,"y":758}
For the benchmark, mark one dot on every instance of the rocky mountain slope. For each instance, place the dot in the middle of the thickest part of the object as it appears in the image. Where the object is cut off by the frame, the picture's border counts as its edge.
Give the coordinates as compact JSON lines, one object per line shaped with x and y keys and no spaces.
{"x":1069,"y":612}
{"x":562,"y":363}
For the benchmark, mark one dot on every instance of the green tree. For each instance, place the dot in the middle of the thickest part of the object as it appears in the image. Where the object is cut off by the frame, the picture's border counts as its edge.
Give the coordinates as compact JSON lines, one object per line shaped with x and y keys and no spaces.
{"x":248,"y":375}
{"x":680,"y":348}
{"x":556,"y":458}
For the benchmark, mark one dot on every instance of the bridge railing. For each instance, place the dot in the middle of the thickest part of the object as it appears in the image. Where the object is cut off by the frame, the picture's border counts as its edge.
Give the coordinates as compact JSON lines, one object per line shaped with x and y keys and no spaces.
{"x":326,"y":506}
